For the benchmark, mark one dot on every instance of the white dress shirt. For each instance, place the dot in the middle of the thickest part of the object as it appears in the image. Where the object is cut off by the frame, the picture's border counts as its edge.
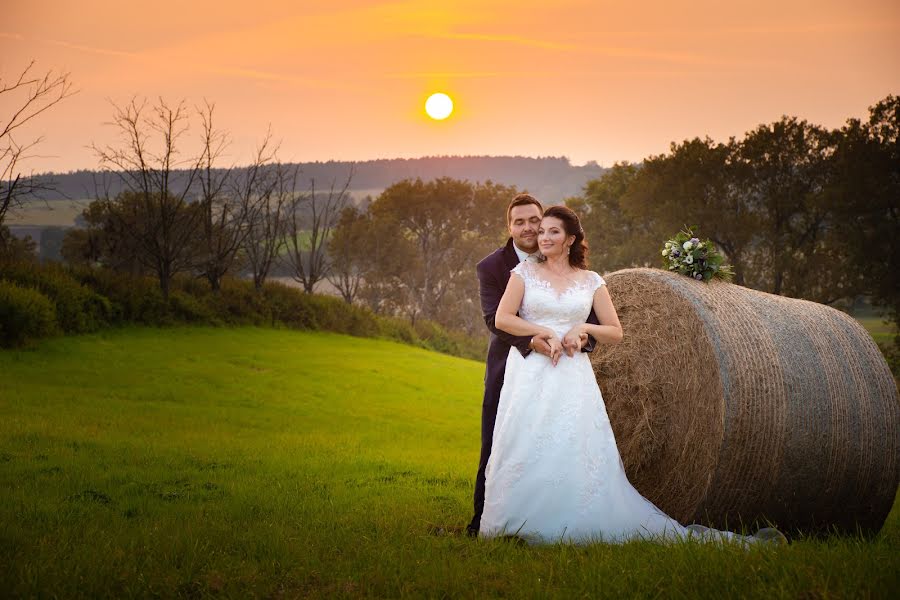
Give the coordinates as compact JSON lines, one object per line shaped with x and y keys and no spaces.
{"x":523,"y":256}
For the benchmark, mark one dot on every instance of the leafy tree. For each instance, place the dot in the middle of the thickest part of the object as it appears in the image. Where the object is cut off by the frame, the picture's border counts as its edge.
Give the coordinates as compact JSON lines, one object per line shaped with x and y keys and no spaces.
{"x":440,"y":228}
{"x":119,"y":230}
{"x":348,"y":249}
{"x":863,"y":197}
{"x":610,"y":228}
{"x":13,"y":249}
{"x":782,"y":170}
{"x":760,"y":200}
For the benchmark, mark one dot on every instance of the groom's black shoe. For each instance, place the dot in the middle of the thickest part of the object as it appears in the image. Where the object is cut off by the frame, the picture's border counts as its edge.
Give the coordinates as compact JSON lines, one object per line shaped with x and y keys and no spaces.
{"x":471,"y":531}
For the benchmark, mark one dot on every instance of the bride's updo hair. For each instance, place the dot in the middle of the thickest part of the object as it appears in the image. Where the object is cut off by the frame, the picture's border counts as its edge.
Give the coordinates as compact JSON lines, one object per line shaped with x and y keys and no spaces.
{"x":572,"y":225}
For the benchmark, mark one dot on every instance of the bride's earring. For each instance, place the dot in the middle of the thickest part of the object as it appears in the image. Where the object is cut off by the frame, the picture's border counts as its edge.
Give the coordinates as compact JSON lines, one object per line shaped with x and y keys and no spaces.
{"x":568,"y":250}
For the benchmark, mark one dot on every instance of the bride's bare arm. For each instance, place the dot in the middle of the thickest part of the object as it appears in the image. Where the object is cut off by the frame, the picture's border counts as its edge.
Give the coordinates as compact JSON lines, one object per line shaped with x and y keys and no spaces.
{"x":507,"y":319}
{"x":610,"y":330}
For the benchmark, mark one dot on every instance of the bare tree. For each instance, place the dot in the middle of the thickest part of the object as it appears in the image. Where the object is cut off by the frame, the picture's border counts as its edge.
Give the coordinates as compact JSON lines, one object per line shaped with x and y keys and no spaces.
{"x":160,"y":219}
{"x":273,"y":188}
{"x":231,"y":199}
{"x":37,"y":94}
{"x":307,"y":253}
{"x":219,"y":243}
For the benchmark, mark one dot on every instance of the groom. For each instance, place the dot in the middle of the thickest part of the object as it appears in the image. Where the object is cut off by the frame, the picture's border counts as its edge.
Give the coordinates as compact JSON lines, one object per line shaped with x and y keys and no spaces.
{"x":523,"y":217}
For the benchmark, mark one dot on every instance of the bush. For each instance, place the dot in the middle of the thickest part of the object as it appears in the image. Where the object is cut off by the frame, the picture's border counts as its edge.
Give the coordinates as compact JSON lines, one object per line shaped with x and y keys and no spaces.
{"x":79,"y":309}
{"x":398,"y":330}
{"x":333,"y":314}
{"x":85,"y":298}
{"x":134,"y":299}
{"x":288,"y":306}
{"x":25,"y":314}
{"x":238,"y":303}
{"x":189,"y":309}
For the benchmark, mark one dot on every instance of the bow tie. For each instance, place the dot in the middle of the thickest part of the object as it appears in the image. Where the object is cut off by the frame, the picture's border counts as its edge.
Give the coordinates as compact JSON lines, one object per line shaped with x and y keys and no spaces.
{"x":532,"y":258}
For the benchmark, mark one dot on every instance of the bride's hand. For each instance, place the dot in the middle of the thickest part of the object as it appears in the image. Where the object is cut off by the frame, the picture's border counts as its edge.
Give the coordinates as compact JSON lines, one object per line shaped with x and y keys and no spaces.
{"x":574,"y":340}
{"x":556,"y":349}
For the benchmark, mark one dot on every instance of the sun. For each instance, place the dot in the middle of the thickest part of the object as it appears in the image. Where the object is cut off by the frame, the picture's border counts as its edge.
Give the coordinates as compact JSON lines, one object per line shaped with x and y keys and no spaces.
{"x":439,"y":106}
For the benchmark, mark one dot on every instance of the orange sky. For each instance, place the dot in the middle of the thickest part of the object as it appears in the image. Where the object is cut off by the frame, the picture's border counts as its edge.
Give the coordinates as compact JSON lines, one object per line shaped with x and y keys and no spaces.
{"x":590,"y":80}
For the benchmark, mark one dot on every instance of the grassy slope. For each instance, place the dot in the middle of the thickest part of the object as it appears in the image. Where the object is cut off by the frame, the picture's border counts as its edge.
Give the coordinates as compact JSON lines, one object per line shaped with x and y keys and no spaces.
{"x":265,"y":462}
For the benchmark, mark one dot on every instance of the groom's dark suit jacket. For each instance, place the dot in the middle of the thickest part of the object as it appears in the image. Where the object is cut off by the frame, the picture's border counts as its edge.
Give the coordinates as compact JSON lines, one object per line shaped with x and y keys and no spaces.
{"x":493,"y":275}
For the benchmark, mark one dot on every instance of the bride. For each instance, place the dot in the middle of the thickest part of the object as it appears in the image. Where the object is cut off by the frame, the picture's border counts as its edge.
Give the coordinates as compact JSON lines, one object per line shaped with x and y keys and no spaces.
{"x":554,"y":472}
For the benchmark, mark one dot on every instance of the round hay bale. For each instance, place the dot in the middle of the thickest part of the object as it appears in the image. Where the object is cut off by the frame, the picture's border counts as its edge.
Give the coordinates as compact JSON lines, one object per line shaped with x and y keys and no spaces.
{"x":735,"y":406}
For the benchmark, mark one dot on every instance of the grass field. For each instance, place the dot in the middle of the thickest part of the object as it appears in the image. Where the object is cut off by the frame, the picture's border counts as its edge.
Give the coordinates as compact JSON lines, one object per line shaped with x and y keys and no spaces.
{"x":882,"y":331}
{"x":49,"y":213}
{"x":250,"y":462}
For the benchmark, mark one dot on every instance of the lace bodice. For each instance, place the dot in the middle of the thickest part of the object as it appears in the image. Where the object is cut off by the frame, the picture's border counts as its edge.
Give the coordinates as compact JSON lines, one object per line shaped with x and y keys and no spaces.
{"x":545,"y":306}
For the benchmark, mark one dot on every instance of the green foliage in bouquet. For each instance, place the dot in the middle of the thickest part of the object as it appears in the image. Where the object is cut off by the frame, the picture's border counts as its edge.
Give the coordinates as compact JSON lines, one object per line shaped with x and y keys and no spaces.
{"x":695,"y":258}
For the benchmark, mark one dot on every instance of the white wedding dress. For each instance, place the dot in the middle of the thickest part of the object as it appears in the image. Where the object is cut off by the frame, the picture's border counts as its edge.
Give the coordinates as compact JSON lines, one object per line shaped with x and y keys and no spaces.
{"x":554,"y":472}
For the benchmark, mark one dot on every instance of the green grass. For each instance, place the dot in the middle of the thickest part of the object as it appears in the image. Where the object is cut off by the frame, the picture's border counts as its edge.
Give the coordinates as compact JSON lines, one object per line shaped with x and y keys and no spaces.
{"x":250,"y":462}
{"x":882,"y":331}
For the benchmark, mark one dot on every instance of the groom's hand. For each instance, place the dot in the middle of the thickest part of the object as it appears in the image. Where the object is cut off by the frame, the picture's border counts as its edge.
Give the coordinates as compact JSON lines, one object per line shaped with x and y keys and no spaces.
{"x":541,"y":344}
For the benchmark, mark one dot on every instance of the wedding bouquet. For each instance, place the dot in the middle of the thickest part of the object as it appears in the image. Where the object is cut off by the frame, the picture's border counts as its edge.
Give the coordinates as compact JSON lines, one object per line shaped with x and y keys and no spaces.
{"x":695,"y":258}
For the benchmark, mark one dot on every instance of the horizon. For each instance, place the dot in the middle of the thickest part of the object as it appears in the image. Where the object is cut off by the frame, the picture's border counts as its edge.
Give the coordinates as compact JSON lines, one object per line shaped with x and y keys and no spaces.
{"x":368,"y":160}
{"x":591,"y":83}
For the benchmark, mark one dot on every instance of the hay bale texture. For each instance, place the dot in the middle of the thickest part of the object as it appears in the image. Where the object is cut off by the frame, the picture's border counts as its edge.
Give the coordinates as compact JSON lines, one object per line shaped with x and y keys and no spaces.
{"x":735,"y":406}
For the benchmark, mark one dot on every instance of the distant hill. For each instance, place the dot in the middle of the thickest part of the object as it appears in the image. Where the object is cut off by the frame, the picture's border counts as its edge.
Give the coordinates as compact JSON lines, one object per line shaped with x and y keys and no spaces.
{"x":551,"y":179}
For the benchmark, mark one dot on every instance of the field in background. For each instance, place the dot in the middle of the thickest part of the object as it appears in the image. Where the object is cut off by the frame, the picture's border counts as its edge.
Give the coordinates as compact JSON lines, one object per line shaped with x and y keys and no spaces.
{"x":881,"y":331}
{"x":252,"y":462}
{"x":59,"y":213}
{"x":62,"y":213}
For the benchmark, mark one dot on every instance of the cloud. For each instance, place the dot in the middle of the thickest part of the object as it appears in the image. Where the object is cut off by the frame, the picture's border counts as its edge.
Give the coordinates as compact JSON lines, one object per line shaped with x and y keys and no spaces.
{"x":465,"y":74}
{"x":70,"y":46}
{"x":509,"y":39}
{"x":280,"y":77}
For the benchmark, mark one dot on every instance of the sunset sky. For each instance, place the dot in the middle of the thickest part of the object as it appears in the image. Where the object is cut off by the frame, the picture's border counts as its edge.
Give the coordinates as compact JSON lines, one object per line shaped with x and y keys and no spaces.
{"x":589,"y":80}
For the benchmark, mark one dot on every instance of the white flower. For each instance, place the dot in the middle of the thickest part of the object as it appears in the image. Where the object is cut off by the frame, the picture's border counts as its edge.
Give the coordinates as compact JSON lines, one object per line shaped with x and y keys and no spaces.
{"x":688,"y":245}
{"x":689,"y":259}
{"x":665,"y":252}
{"x":668,"y":245}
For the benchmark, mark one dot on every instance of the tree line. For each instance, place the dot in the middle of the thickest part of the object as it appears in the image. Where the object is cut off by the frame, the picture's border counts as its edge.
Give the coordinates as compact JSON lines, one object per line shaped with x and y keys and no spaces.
{"x":798,"y":209}
{"x":551,"y":178}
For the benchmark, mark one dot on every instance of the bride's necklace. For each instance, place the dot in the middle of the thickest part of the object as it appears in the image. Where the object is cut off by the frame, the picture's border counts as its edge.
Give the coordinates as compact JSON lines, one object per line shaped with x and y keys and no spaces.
{"x":562,"y":275}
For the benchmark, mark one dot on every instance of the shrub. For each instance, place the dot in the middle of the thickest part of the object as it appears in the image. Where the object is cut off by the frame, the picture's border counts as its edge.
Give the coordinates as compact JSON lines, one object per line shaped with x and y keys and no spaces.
{"x":85,"y":298}
{"x":25,"y":314}
{"x":134,"y":299}
{"x":79,"y":309}
{"x":398,"y":330}
{"x":238,"y":303}
{"x":333,"y":314}
{"x":435,"y":337}
{"x":189,"y":309}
